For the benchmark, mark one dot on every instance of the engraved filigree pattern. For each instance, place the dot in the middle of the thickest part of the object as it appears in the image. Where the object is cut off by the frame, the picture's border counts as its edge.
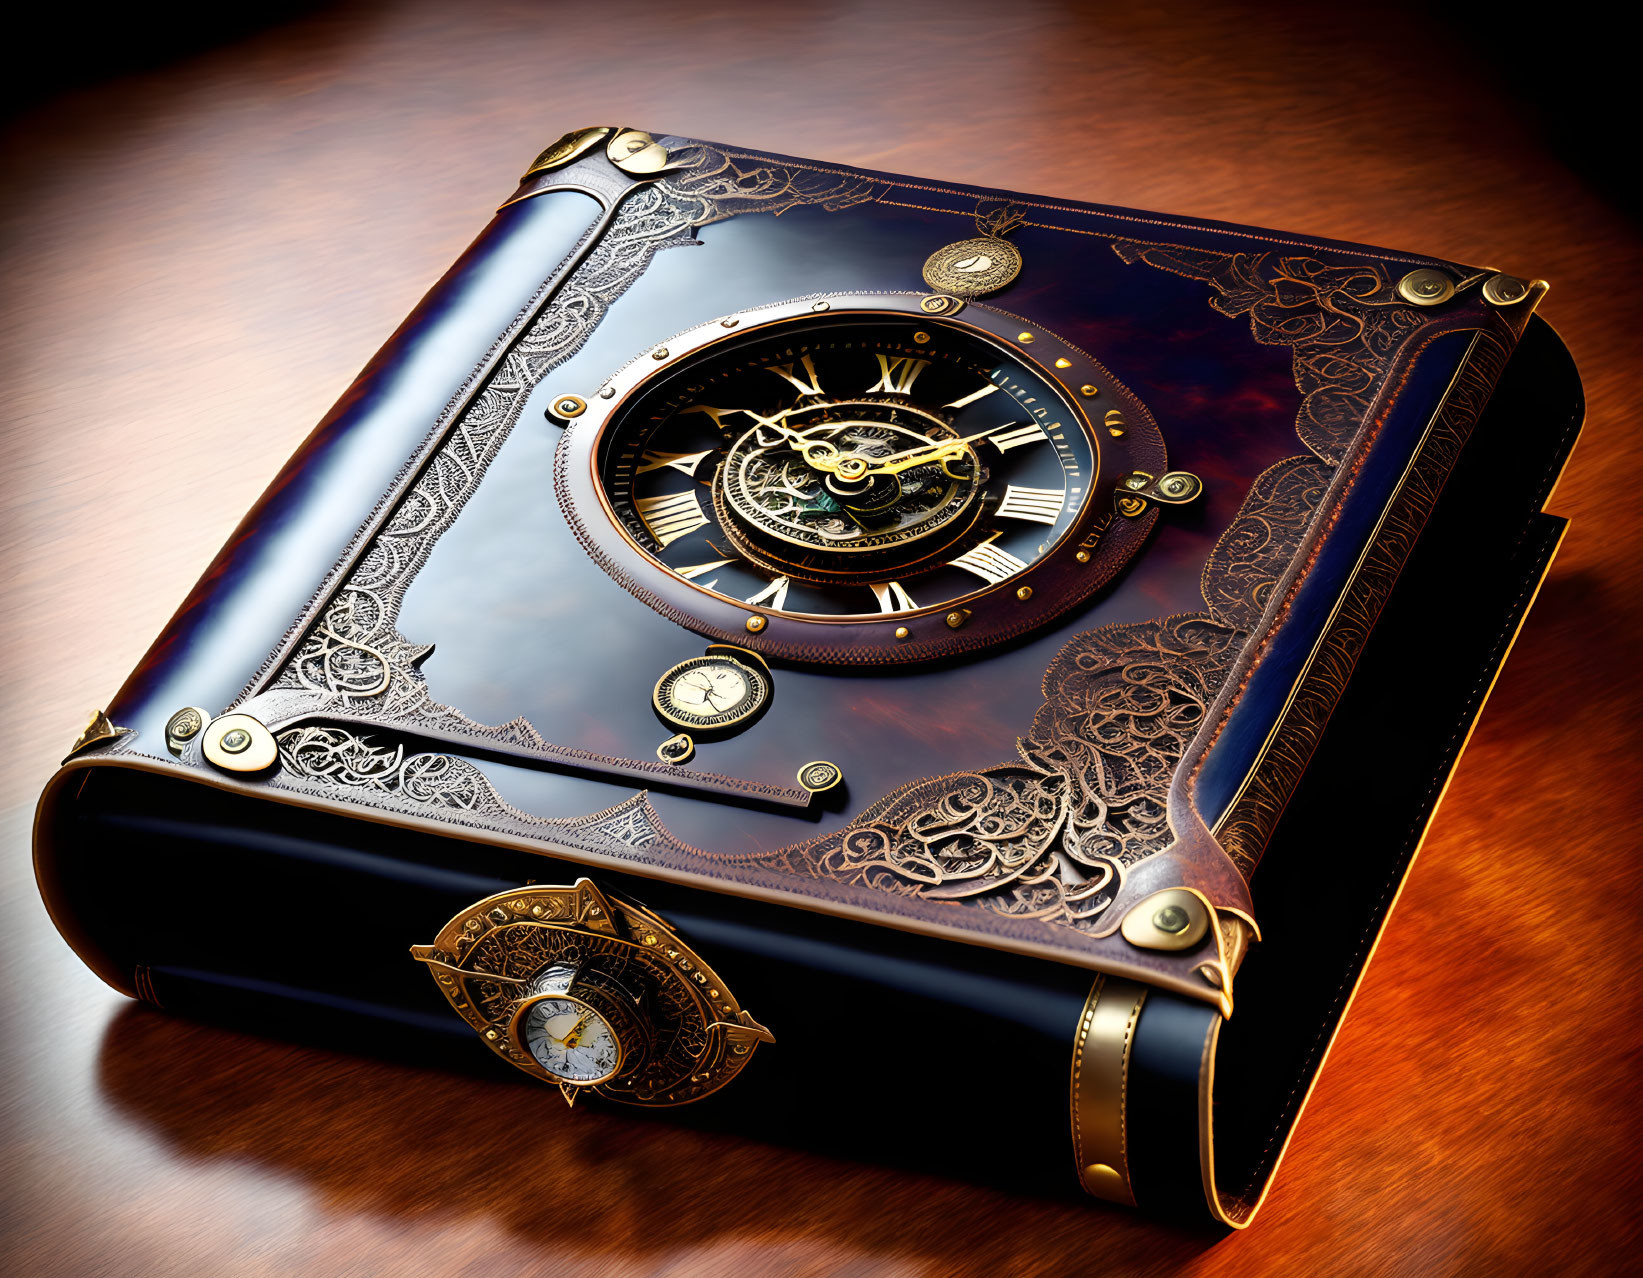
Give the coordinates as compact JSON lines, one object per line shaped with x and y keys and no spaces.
{"x":1048,"y":837}
{"x":376,"y":769}
{"x":1342,"y":322}
{"x":1251,"y":555}
{"x":1250,"y":822}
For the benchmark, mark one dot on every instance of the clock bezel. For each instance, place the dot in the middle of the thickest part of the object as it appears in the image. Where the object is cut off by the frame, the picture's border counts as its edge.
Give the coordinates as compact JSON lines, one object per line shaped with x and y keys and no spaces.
{"x":1048,"y":587}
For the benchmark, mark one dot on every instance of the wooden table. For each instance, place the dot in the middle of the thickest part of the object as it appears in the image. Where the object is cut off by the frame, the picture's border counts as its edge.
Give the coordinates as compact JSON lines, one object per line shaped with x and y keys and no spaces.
{"x":197,"y":259}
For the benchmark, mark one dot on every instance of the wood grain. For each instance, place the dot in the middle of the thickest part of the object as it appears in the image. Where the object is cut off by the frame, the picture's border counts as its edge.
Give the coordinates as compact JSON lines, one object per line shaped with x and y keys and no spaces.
{"x":198,"y":258}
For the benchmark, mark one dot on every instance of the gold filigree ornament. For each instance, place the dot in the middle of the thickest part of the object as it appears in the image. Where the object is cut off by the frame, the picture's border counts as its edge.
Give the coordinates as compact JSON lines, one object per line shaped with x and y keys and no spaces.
{"x":592,"y":993}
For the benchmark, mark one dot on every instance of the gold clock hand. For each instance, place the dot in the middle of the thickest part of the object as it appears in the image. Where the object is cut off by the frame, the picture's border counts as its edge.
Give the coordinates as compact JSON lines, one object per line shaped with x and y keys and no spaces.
{"x":944,"y":450}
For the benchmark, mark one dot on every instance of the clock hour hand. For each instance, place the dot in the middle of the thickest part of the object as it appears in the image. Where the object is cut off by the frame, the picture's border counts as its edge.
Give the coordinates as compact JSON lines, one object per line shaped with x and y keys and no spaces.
{"x":941,"y":450}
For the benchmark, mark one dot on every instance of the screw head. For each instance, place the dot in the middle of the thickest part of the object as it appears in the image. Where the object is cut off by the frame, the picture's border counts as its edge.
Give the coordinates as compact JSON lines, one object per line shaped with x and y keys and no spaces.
{"x":1083,"y":556}
{"x":1087,"y":390}
{"x":756,"y":624}
{"x":1024,"y":593}
{"x":235,"y":741}
{"x":902,"y":632}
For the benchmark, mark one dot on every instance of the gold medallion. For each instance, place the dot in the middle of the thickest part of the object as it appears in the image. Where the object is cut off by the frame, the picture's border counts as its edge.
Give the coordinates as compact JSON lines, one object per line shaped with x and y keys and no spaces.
{"x":973,"y":267}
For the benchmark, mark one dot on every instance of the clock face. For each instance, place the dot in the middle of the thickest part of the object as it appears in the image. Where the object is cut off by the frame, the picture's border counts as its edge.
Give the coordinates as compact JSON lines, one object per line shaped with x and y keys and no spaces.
{"x":710,"y":692}
{"x":842,"y":481}
{"x":570,"y":1040}
{"x":849,"y":468}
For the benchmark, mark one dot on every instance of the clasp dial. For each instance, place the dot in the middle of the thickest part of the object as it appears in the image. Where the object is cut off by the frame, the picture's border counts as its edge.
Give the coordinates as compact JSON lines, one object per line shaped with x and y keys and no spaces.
{"x":590,"y":993}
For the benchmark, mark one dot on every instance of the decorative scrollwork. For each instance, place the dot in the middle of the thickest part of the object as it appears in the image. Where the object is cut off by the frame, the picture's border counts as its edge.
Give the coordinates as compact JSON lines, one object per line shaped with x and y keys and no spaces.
{"x":335,"y":757}
{"x":1049,"y":837}
{"x":1257,"y":546}
{"x":1342,"y":320}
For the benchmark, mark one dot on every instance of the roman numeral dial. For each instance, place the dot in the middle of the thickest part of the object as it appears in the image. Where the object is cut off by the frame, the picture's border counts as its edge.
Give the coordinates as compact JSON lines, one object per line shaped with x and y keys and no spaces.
{"x":833,"y":481}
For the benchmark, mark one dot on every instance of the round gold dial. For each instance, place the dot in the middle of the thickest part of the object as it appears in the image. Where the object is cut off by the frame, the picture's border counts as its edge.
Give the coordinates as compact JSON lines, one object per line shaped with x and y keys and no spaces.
{"x":711,"y":692}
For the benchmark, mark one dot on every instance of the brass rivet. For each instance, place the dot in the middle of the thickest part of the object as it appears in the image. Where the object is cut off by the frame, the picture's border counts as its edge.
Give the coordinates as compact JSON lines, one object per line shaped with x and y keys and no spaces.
{"x":755,"y":624}
{"x":729,"y":323}
{"x":1503,"y":290}
{"x":820,"y":306}
{"x":1063,"y":363}
{"x":1117,"y":432}
{"x":1171,"y":920}
{"x":902,"y":632}
{"x":1083,"y":556}
{"x":1087,"y":390}
{"x":1426,"y":287}
{"x":1026,"y":339}
{"x":569,"y":406}
{"x":239,"y":743}
{"x":1024,"y":594}
{"x":607,"y":392}
{"x":921,"y":337}
{"x":958,"y":617}
{"x":659,"y":353}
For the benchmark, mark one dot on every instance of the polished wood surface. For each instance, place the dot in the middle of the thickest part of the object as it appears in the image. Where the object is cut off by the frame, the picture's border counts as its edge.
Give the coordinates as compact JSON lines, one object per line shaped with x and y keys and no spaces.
{"x":197,"y":258}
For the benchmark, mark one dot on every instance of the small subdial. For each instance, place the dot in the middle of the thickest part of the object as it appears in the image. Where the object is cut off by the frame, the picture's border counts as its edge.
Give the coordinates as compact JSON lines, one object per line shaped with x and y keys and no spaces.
{"x":711,"y":693}
{"x":571,"y":1041}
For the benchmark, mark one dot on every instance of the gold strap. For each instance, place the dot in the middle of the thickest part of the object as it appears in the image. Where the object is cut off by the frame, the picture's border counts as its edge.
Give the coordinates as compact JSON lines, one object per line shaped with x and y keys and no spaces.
{"x":1101,"y":1063}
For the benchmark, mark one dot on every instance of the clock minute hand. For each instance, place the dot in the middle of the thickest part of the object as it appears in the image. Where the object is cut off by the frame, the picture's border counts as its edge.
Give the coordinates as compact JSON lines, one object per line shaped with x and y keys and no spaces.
{"x":944,"y":450}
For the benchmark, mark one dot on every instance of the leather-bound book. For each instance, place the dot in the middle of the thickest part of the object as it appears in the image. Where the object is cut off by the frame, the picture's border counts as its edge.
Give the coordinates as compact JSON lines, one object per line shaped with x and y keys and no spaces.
{"x":951,"y":674}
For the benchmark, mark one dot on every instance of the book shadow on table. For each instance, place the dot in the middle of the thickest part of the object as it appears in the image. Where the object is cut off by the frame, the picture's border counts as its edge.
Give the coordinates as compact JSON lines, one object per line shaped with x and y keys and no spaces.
{"x":456,"y":1133}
